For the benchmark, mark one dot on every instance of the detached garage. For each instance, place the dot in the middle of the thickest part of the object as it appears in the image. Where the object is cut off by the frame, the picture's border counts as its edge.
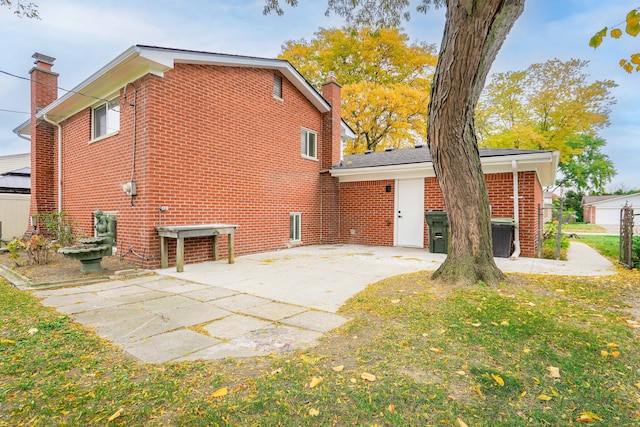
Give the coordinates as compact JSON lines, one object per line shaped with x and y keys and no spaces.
{"x":605,"y":210}
{"x":384,"y":195}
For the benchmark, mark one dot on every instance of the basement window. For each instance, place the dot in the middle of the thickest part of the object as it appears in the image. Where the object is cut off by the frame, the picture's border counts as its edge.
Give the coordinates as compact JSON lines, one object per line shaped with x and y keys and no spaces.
{"x":295,"y":225}
{"x":106,"y":119}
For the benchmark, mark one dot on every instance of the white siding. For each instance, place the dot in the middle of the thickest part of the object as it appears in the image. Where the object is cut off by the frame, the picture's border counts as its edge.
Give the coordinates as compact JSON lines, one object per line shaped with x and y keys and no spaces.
{"x":14,"y":161}
{"x":14,"y":214}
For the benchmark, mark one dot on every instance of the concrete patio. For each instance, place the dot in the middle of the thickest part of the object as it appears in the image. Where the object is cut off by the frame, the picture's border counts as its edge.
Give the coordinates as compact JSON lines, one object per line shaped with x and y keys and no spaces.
{"x":264,"y":303}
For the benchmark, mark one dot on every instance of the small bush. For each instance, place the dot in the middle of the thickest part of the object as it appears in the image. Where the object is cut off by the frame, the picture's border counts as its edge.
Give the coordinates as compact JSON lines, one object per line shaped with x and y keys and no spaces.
{"x":59,"y":225}
{"x":37,"y":249}
{"x":14,"y":247}
{"x":550,"y":242}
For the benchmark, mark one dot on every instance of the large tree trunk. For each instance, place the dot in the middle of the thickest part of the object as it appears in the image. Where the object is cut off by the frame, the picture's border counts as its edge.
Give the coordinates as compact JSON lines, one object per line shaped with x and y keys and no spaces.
{"x":474,"y":32}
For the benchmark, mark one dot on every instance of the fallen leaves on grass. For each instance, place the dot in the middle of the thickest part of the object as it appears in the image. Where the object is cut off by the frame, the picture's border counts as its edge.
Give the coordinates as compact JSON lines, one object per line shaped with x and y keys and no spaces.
{"x":368,"y":377}
{"x":315,"y":381}
{"x":221,"y":392}
{"x":115,"y":415}
{"x":588,"y":417}
{"x":554,"y":372}
{"x":498,"y":379}
{"x":338,"y":368}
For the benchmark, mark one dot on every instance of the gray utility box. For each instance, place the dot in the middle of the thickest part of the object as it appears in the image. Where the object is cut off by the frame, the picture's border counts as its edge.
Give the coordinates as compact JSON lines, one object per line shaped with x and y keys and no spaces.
{"x":438,"y":231}
{"x":502,"y":234}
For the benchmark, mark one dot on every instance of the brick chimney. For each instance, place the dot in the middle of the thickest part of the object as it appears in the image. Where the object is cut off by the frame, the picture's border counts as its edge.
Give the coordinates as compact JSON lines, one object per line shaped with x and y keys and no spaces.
{"x":44,"y":90}
{"x":331,"y":123}
{"x":329,"y":156}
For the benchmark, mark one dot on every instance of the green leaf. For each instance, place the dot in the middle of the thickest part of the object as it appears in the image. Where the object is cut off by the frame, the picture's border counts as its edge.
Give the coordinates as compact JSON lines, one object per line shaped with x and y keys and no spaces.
{"x":596,"y":40}
{"x":633,"y":23}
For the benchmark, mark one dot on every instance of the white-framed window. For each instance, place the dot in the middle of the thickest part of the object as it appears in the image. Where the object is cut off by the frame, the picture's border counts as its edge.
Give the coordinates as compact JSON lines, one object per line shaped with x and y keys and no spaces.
{"x":105,"y":118}
{"x":295,"y":225}
{"x":277,"y":86}
{"x":309,"y":144}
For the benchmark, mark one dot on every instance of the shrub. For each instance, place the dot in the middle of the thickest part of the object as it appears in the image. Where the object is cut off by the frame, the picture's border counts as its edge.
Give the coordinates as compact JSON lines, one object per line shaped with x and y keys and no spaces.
{"x":550,"y":242}
{"x":37,"y":249}
{"x":59,"y":225}
{"x":14,"y":247}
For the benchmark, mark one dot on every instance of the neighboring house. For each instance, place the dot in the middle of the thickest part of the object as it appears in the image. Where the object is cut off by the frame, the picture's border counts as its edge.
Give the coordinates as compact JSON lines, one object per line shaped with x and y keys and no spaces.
{"x":605,"y":210}
{"x":14,"y":161}
{"x":238,"y":140}
{"x":15,"y":188}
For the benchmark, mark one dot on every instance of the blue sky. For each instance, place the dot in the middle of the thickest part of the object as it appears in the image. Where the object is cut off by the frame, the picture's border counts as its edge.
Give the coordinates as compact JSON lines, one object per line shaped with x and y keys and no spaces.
{"x":84,"y":36}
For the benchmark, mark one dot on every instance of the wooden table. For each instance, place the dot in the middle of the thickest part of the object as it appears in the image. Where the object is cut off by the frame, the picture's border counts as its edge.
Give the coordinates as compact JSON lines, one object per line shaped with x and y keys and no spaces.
{"x":181,"y":232}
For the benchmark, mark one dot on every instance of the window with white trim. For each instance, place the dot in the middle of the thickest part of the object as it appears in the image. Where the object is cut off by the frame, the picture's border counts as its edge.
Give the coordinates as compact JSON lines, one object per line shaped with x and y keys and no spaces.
{"x":309,"y":144}
{"x":106,"y":118}
{"x":277,"y":86}
{"x":295,"y":225}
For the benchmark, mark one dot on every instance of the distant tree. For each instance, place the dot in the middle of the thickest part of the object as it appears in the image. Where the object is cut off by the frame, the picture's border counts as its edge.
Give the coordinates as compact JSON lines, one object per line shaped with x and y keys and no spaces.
{"x":21,"y":8}
{"x":621,"y":190}
{"x":632,"y":28}
{"x":386,"y":81}
{"x":543,"y":107}
{"x":573,"y":203}
{"x":588,"y":170}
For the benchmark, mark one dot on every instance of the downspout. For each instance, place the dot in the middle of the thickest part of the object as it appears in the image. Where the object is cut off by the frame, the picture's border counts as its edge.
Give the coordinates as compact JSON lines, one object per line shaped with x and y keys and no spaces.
{"x":46,"y":119}
{"x":516,"y":212}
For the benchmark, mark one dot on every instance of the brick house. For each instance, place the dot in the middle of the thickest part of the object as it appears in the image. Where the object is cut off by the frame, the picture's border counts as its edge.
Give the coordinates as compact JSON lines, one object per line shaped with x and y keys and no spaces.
{"x":230,"y":139}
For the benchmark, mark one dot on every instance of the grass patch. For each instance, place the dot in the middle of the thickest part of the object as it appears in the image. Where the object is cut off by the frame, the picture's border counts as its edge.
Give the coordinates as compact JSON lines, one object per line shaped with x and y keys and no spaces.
{"x":439,"y":353}
{"x":608,"y":246}
{"x":582,"y":227}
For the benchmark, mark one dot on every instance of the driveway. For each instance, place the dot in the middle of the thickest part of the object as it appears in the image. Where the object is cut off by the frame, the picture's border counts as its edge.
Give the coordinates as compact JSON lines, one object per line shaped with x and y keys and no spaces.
{"x":264,"y":303}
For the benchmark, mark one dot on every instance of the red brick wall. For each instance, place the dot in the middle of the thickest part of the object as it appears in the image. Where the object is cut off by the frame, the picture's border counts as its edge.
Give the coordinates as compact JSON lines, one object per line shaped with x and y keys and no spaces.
{"x":214,"y":146}
{"x":366,"y":208}
{"x":589,"y":214}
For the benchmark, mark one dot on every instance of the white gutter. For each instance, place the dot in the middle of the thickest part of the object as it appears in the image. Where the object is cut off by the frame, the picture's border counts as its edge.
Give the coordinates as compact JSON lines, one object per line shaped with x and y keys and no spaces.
{"x":516,"y":212}
{"x":46,"y":119}
{"x":20,"y":135}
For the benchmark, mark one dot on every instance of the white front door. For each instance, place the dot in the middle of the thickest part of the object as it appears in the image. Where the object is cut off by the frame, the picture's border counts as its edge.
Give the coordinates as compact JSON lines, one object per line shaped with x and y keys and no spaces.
{"x":409,"y":212}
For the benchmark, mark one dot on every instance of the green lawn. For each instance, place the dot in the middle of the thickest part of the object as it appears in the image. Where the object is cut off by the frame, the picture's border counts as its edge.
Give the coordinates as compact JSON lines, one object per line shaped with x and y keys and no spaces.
{"x":582,"y":227}
{"x":608,"y":246}
{"x":483,"y":355}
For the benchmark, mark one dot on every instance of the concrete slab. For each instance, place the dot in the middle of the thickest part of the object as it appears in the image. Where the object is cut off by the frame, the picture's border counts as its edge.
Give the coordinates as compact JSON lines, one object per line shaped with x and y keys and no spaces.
{"x":87,"y":306}
{"x":139,"y":297}
{"x":110,"y":315}
{"x":160,"y":305}
{"x":121,"y":291}
{"x":171,"y":345}
{"x":274,"y":339}
{"x":273,"y":311}
{"x":210,"y":293}
{"x":320,"y":321}
{"x":195,"y":313}
{"x":234,"y":326}
{"x":239,"y":302}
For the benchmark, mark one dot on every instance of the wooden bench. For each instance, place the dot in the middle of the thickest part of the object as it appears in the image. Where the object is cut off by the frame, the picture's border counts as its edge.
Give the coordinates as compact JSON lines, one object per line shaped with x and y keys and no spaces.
{"x":181,"y":232}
